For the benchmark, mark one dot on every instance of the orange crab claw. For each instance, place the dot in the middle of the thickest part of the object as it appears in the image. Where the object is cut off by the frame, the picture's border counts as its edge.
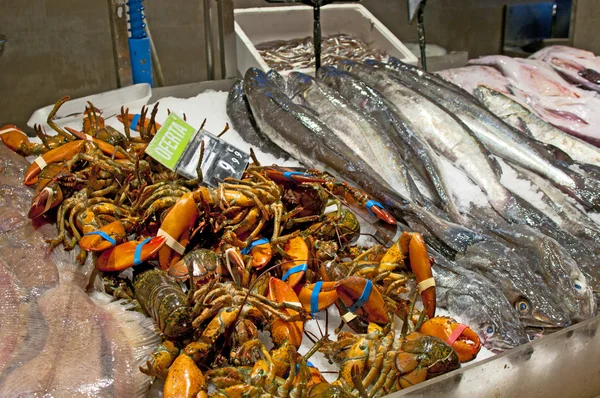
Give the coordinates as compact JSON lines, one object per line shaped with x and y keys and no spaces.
{"x":293,"y":176}
{"x":176,"y":228}
{"x":261,"y":252}
{"x":318,"y":296}
{"x":412,"y":243}
{"x":134,"y":125}
{"x":106,"y":237}
{"x":362,"y":297}
{"x":47,"y":198}
{"x":184,"y":380}
{"x":281,"y":331}
{"x":294,"y":269}
{"x":63,"y":152}
{"x":13,"y":137}
{"x":460,"y":337}
{"x":105,"y":147}
{"x":380,"y":212}
{"x":129,"y":254}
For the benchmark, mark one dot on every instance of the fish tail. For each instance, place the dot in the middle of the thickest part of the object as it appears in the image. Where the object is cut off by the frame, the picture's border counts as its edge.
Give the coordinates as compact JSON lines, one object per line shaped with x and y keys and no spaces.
{"x":137,"y":329}
{"x":69,"y":268}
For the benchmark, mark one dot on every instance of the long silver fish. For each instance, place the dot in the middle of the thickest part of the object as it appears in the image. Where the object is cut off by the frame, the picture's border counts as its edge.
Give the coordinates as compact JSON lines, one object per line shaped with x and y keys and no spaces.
{"x":525,"y":290}
{"x":480,"y":304}
{"x":311,"y":142}
{"x":521,"y":118}
{"x":500,"y":138}
{"x":362,"y":133}
{"x":403,"y":133}
{"x":557,"y":268}
{"x":243,"y":122}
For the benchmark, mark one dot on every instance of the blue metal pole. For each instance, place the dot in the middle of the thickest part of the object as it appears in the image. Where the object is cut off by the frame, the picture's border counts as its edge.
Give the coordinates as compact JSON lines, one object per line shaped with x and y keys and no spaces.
{"x":139,"y":44}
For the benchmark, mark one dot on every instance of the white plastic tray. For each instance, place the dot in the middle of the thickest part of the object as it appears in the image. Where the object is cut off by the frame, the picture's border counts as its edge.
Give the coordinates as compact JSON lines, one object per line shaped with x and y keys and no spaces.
{"x":258,"y":25}
{"x":109,"y":102}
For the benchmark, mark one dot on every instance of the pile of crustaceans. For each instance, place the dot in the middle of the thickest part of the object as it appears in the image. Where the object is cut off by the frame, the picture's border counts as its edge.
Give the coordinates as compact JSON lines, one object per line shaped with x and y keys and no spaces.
{"x":215,"y":267}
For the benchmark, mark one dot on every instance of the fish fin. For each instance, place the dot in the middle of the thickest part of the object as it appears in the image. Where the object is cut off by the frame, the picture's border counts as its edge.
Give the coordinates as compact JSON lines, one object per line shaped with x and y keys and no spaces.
{"x":523,"y":127}
{"x":139,"y":331}
{"x":69,"y":268}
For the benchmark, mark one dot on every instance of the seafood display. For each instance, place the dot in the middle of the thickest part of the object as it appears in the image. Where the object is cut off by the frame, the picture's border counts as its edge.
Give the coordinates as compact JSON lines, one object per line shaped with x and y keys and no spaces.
{"x":558,"y":84}
{"x":427,"y":222}
{"x":283,"y":55}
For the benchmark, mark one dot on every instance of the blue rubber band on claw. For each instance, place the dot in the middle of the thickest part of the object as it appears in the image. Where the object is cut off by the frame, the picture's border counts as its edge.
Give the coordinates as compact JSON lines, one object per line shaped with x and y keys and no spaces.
{"x":134,"y":122}
{"x":363,"y":297}
{"x":252,"y":245}
{"x":288,"y":174}
{"x":104,"y":236}
{"x":137,"y":256}
{"x":314,"y":298}
{"x":372,"y":203}
{"x":294,"y":270}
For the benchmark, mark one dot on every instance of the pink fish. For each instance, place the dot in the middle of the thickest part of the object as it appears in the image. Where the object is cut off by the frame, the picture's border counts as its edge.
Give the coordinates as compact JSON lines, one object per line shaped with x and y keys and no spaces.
{"x":575,"y":65}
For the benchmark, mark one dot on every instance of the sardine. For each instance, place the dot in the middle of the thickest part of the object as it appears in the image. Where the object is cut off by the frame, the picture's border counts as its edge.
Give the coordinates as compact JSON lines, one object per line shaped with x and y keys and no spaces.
{"x":479,"y":303}
{"x":402,"y":132}
{"x":524,"y":289}
{"x":519,"y":117}
{"x":363,"y":134}
{"x":243,"y":122}
{"x":550,"y":261}
{"x":502,"y":139}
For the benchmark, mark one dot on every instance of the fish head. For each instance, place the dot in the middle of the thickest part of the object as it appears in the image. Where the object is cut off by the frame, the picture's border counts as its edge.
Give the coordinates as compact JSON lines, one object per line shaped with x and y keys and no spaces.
{"x":255,"y":79}
{"x":332,"y":76}
{"x":585,"y":302}
{"x":349,"y":65}
{"x":298,"y":84}
{"x":541,"y":310}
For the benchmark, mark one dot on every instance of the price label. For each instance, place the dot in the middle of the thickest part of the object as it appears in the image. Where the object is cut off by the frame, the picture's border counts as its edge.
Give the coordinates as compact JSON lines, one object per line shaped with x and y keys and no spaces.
{"x":221,"y":160}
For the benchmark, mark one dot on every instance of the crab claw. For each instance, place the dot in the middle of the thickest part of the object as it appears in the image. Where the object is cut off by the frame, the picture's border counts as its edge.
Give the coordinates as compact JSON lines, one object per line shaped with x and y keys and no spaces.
{"x":412,"y":243}
{"x":129,"y":254}
{"x":106,"y":237}
{"x":295,"y":268}
{"x":377,"y":209}
{"x":13,"y":137}
{"x":460,"y":337}
{"x":318,"y":296}
{"x":292,"y":176}
{"x":63,"y":152}
{"x":281,"y":330}
{"x":176,"y":228}
{"x":44,"y":200}
{"x":361,"y":297}
{"x":185,"y":380}
{"x":105,"y":147}
{"x":261,"y":252}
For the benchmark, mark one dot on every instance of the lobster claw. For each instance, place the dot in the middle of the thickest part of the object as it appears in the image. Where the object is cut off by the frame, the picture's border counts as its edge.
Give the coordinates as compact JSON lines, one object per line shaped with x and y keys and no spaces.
{"x":106,"y":237}
{"x":13,"y":137}
{"x":377,"y":209}
{"x":134,"y":123}
{"x":129,"y":254}
{"x":261,"y":252}
{"x":412,"y":243}
{"x":63,"y":152}
{"x":361,"y":297}
{"x":105,"y":147}
{"x":292,"y":176}
{"x":281,"y":330}
{"x":318,"y":296}
{"x":176,"y":228}
{"x":47,"y":198}
{"x":295,"y":268}
{"x":184,"y":379}
{"x":461,"y":338}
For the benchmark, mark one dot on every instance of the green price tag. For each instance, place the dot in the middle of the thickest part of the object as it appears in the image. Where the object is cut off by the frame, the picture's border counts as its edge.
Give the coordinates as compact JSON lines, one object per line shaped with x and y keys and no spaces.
{"x":170,"y":141}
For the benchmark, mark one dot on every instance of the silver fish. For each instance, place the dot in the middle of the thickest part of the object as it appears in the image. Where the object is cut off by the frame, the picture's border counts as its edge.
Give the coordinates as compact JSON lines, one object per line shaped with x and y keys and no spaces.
{"x":363,"y":134}
{"x":521,"y":118}
{"x":402,"y":132}
{"x":480,"y":304}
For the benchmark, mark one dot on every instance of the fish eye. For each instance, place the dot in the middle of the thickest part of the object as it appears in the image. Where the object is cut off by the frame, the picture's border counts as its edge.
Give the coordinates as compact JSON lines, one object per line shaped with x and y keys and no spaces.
{"x":522,"y":306}
{"x":579,"y":285}
{"x":490,"y":330}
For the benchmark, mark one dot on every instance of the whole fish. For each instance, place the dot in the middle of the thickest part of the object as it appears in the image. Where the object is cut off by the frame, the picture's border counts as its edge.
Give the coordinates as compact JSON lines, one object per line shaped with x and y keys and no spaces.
{"x":577,"y":66}
{"x":311,"y":142}
{"x":500,"y":138}
{"x":362,"y":133}
{"x":557,"y":269}
{"x":521,"y":118}
{"x":277,"y":79}
{"x":243,"y":122}
{"x":403,"y":133}
{"x":480,"y":304}
{"x":524,"y":289}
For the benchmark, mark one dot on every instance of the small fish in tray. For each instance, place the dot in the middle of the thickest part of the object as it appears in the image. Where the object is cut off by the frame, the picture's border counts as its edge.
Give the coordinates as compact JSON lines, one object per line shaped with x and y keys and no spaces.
{"x":284,"y":55}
